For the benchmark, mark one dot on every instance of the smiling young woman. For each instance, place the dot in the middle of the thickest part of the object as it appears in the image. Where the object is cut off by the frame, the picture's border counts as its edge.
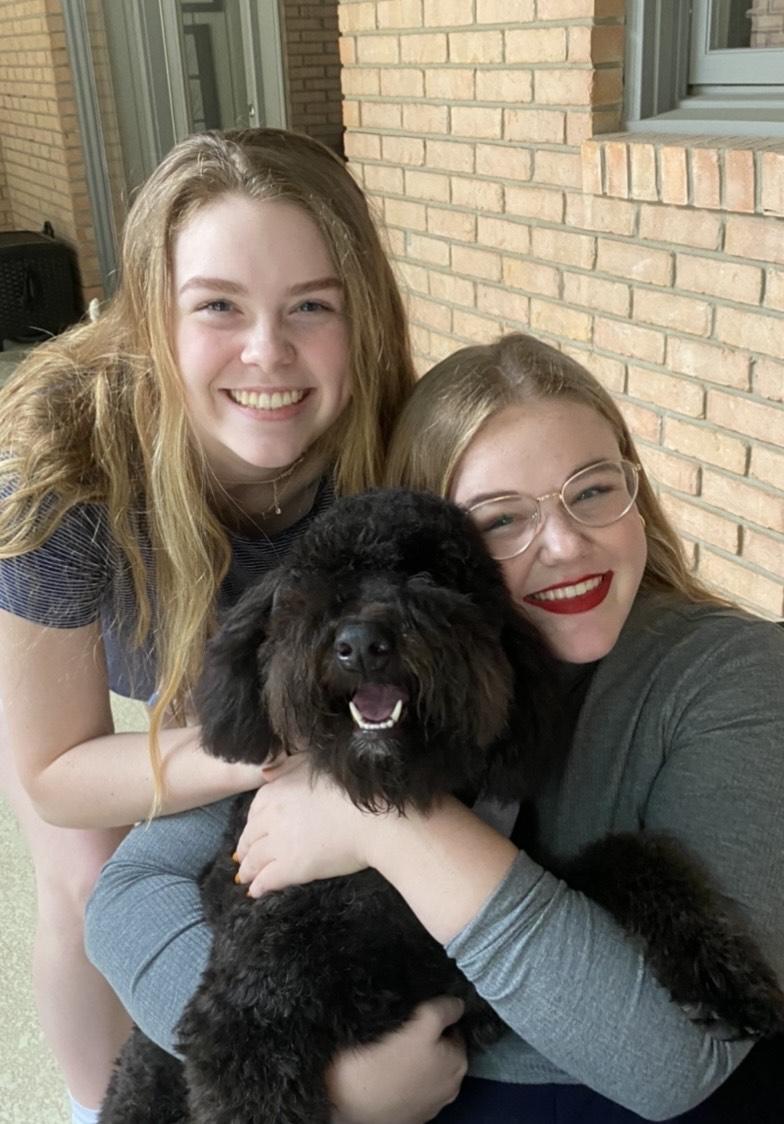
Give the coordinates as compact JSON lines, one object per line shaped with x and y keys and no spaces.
{"x":152,"y":464}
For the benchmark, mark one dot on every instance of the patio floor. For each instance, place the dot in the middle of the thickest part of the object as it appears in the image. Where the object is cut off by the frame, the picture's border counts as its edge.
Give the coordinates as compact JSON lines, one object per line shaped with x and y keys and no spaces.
{"x":31,"y":1088}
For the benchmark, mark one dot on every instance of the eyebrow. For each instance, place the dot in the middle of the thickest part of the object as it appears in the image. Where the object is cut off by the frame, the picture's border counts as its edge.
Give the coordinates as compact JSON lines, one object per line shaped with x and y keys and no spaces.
{"x":508,"y":493}
{"x":221,"y":284}
{"x":319,"y":283}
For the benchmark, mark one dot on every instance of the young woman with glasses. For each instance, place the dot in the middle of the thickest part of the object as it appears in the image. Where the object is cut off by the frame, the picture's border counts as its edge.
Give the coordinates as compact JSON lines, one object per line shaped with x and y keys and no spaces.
{"x":676,"y":714}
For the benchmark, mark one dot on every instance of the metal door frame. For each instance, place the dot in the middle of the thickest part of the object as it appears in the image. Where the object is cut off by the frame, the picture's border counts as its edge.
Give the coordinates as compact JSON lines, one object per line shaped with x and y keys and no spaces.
{"x":155,"y":109}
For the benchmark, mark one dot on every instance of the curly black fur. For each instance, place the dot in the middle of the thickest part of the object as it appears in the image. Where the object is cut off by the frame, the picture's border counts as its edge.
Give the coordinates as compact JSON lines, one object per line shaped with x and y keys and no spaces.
{"x":390,"y":594}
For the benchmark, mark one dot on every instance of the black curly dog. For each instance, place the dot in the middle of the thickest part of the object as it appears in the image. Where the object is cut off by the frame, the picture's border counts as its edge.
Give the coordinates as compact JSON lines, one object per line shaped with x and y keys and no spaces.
{"x":388,"y":647}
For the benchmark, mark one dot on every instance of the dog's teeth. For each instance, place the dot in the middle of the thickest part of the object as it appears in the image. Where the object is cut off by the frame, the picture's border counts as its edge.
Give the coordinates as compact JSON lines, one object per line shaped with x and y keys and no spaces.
{"x":364,"y":724}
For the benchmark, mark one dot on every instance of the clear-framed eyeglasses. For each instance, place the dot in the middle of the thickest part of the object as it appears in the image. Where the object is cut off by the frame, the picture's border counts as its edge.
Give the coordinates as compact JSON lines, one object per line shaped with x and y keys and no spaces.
{"x":596,"y":496}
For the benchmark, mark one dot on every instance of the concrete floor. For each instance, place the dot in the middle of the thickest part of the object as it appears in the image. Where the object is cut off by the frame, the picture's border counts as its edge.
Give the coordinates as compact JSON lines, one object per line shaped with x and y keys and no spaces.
{"x":9,"y":357}
{"x":31,"y":1088}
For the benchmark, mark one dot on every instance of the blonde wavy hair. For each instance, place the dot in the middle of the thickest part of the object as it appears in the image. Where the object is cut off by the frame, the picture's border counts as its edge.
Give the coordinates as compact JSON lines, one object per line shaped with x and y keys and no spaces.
{"x":97,"y":415}
{"x":456,"y":397}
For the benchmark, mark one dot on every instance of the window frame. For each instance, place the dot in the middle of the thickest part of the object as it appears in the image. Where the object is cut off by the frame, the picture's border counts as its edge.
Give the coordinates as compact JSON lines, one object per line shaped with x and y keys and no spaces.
{"x":658,"y":94}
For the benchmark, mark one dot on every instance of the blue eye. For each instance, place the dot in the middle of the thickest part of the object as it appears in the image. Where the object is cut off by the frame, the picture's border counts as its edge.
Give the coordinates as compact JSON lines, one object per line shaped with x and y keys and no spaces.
{"x":591,"y":493}
{"x":312,"y":306}
{"x":597,"y":493}
{"x":499,"y":523}
{"x":218,"y":306}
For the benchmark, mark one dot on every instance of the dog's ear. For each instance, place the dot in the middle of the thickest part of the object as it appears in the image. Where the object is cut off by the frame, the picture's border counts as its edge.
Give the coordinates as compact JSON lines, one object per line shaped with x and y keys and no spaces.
{"x":536,"y":714}
{"x":229,"y":693}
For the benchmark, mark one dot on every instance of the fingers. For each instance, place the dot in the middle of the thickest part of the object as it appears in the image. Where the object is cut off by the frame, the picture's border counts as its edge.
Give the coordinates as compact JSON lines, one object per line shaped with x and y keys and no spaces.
{"x":250,"y":833}
{"x":407,"y":1076}
{"x":440,"y":1013}
{"x":264,"y":881}
{"x":256,"y":865}
{"x":302,"y":827}
{"x":253,"y":824}
{"x":440,"y":1016}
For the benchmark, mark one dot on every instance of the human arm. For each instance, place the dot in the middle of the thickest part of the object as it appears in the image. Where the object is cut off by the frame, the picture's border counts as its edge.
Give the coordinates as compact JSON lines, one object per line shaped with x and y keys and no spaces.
{"x":689,"y":718}
{"x":552,"y":963}
{"x":78,"y":772}
{"x":145,"y":929}
{"x":445,"y":863}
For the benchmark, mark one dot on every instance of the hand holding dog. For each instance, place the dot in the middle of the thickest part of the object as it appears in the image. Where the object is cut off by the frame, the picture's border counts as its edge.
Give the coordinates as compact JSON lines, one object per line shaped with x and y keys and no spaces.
{"x":407,"y":1077}
{"x":300,"y":828}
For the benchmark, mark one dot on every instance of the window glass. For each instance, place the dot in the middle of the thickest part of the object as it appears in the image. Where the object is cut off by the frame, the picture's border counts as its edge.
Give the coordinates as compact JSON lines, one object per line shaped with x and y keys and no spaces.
{"x":739,"y":24}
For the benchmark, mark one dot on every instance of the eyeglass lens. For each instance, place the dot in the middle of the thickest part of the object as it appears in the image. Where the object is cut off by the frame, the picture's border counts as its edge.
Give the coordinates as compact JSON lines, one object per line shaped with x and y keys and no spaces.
{"x":595,"y":497}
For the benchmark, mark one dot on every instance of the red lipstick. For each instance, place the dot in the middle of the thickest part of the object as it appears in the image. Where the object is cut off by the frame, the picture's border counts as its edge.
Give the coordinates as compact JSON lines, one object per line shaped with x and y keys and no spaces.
{"x":579,"y":604}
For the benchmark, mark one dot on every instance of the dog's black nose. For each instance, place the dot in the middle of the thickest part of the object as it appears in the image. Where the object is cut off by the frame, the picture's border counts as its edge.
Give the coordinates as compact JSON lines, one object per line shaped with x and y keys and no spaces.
{"x":363,"y":646}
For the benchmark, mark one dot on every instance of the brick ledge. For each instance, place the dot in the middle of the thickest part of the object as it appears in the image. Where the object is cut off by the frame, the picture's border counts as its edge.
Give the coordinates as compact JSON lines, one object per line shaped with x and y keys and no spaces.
{"x":736,"y":174}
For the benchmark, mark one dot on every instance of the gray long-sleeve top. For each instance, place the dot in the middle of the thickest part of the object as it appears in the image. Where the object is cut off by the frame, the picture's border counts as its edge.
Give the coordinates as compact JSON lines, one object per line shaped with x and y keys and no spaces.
{"x":681,"y":731}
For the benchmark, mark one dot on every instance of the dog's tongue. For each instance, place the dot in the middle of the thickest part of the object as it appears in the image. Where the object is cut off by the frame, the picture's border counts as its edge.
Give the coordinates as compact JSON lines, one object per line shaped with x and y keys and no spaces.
{"x":376,"y":701}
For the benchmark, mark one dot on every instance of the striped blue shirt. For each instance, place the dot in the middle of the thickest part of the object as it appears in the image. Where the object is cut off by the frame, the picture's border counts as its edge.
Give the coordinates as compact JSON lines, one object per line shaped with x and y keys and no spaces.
{"x":80,"y":575}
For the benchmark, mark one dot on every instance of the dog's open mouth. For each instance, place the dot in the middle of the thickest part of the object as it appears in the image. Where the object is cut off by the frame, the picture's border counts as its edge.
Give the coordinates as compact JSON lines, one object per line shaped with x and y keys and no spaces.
{"x":378,"y":706}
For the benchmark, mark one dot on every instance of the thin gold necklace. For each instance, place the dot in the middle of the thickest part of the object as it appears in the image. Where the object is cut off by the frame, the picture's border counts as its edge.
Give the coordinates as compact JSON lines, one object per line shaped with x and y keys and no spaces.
{"x":274,"y":481}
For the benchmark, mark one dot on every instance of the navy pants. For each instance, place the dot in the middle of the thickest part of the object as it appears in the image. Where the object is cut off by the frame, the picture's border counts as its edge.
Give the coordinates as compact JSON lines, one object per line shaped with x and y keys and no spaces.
{"x":754,"y":1094}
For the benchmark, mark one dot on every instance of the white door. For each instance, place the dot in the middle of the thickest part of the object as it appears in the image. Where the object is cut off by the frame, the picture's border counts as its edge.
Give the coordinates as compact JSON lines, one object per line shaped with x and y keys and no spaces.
{"x":182,"y":66}
{"x":149,"y":72}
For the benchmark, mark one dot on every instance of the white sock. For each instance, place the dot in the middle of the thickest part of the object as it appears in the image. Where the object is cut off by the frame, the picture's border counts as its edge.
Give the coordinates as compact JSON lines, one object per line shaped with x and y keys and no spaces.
{"x":82,"y":1115}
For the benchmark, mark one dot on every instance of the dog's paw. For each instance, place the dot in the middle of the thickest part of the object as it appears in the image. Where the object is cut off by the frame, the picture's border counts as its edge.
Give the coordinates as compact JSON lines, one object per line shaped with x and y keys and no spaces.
{"x":729,"y":989}
{"x":698,"y":952}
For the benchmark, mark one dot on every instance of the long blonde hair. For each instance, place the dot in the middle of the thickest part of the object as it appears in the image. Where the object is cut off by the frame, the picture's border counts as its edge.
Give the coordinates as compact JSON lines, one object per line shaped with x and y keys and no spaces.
{"x":454,"y":399}
{"x":97,"y":414}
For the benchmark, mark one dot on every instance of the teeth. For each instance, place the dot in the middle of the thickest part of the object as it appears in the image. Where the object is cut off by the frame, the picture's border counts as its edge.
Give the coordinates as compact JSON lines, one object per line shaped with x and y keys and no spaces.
{"x":261,"y":400}
{"x":387,"y":724}
{"x":567,"y":591}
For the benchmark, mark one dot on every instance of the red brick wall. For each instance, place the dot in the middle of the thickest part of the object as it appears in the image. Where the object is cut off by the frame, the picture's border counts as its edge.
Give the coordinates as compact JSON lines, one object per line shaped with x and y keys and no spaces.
{"x":313,"y":69}
{"x":512,"y":202}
